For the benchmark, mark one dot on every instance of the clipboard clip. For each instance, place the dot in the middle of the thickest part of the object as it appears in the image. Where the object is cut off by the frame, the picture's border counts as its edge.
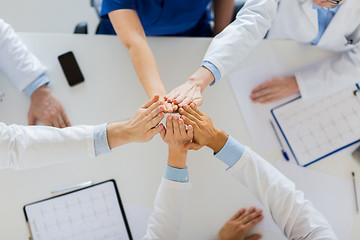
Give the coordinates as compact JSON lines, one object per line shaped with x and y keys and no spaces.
{"x":73,"y":187}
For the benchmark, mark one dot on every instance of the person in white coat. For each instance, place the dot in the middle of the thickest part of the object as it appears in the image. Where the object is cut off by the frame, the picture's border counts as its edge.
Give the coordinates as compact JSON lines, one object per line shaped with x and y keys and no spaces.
{"x":26,"y":72}
{"x":23,"y":147}
{"x":329,"y":24}
{"x":295,"y":216}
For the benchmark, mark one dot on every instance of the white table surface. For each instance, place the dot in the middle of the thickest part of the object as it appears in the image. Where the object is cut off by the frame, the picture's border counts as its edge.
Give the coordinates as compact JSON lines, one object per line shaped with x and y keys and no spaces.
{"x":112,"y":92}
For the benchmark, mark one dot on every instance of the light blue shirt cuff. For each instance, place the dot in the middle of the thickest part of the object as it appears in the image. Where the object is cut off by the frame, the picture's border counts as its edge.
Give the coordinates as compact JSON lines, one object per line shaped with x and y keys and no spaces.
{"x":101,"y":144}
{"x":231,"y":152}
{"x":176,"y":174}
{"x":213,"y":69}
{"x":34,"y":85}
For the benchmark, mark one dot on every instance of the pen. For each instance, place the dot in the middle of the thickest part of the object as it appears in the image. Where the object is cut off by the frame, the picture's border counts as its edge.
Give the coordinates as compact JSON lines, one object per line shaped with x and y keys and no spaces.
{"x":65,"y":189}
{"x":282,"y":147}
{"x":356,"y":201}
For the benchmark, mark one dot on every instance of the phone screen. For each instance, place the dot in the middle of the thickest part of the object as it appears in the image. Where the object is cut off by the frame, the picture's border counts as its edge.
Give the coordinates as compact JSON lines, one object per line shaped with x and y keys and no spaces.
{"x":71,"y":68}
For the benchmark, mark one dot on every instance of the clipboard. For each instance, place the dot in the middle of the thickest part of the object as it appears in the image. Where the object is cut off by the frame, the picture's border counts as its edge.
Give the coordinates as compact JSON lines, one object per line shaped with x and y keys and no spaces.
{"x":317,"y":128}
{"x":93,"y":212}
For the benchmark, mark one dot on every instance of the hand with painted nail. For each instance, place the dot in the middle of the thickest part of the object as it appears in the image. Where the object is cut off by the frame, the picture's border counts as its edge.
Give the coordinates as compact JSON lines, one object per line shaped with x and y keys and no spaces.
{"x":142,"y":127}
{"x":205,"y":133}
{"x":274,"y":89}
{"x":177,"y":136}
{"x":240,"y":224}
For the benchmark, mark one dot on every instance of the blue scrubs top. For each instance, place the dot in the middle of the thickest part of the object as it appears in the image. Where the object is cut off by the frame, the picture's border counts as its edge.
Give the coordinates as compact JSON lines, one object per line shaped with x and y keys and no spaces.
{"x":163,"y":17}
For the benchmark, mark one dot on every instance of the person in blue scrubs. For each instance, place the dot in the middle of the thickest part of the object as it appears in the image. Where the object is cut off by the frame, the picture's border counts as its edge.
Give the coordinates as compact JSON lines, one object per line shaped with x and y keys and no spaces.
{"x":133,"y":20}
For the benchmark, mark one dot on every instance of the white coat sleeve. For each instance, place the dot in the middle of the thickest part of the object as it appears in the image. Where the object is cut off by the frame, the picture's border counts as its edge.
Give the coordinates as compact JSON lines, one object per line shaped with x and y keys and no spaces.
{"x":24,"y":147}
{"x":295,"y":216}
{"x":165,"y":221}
{"x":20,"y":66}
{"x":237,"y":40}
{"x":330,"y":75}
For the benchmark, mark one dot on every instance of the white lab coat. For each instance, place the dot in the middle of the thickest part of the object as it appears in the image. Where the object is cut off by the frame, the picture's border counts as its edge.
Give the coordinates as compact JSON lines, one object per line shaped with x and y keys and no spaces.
{"x":19,"y":65}
{"x":295,"y":216}
{"x":36,"y":146}
{"x":295,"y":20}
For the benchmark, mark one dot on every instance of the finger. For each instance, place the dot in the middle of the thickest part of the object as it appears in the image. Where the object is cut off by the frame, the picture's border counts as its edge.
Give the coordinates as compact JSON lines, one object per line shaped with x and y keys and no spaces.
{"x":182,"y":128}
{"x":190,"y":109}
{"x":155,"y":121}
{"x":254,"y":221}
{"x":156,"y":130}
{"x":65,"y":118}
{"x":200,"y":113}
{"x":192,"y":146}
{"x":154,"y":113}
{"x":186,"y":101}
{"x":254,"y":237}
{"x":262,"y":93}
{"x":187,"y":121}
{"x":31,"y":119}
{"x":185,"y":112}
{"x":190,"y":132}
{"x":198,"y":101}
{"x":169,"y":125}
{"x":61,"y":121}
{"x":238,"y":214}
{"x":151,"y":101}
{"x":169,"y":108}
{"x":163,"y":132}
{"x":175,"y":107}
{"x":263,"y":85}
{"x":176,"y":125}
{"x":247,"y":213}
{"x":252,"y":216}
{"x":267,"y":98}
{"x":181,"y":97}
{"x":54,"y":123}
{"x":172,"y":95}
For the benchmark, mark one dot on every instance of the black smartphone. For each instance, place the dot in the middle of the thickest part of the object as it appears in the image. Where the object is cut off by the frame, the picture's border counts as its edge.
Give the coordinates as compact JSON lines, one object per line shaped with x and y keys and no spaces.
{"x":71,"y":68}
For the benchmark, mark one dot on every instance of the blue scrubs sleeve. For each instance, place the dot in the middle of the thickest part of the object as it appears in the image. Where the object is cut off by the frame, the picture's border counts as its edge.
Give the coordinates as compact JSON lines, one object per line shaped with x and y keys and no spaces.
{"x":112,"y":5}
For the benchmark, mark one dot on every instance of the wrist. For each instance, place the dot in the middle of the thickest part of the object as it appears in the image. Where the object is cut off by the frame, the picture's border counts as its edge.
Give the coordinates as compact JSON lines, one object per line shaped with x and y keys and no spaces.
{"x":42,"y":89}
{"x":177,"y":157}
{"x":202,"y":78}
{"x":117,"y":134}
{"x":218,"y":140}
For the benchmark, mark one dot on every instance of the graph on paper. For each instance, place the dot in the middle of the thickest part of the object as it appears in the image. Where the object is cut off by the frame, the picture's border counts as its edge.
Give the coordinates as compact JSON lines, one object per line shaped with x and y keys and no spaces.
{"x":314,"y":129}
{"x":92,"y":213}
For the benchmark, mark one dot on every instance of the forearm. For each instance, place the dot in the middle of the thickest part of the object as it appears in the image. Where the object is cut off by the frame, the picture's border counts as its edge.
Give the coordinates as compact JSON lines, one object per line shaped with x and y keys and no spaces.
{"x":36,"y":146}
{"x":236,"y":41}
{"x":16,"y":61}
{"x":295,"y":216}
{"x":146,"y":68}
{"x":332,"y":74}
{"x":223,"y":11}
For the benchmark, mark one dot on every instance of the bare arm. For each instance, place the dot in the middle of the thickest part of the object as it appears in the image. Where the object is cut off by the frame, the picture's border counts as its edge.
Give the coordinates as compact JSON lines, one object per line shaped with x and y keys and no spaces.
{"x":128,"y":27}
{"x":223,"y":11}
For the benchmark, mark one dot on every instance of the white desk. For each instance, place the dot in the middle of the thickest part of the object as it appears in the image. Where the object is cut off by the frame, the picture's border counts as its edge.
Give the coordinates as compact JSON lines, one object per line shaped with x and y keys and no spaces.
{"x":112,"y":92}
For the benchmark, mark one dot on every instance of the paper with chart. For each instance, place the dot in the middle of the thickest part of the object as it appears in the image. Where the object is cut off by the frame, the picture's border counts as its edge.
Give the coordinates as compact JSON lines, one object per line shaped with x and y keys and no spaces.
{"x":257,"y":116}
{"x":332,"y":196}
{"x":316,"y":128}
{"x":92,"y":213}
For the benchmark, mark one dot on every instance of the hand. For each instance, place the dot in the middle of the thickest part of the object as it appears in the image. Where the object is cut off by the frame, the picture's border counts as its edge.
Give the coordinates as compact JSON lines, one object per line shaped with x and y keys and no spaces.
{"x":169,"y":106}
{"x":47,"y":108}
{"x":176,"y":136}
{"x":191,"y":90}
{"x":274,"y":89}
{"x":142,"y":127}
{"x":240,"y":224}
{"x":205,"y":133}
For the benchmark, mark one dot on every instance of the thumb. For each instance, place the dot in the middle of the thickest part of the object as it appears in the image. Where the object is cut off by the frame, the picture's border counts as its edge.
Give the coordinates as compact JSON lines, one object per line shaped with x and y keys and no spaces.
{"x":31,"y":119}
{"x":151,"y":101}
{"x":192,"y":146}
{"x":198,"y":101}
{"x":162,"y":132}
{"x":254,"y":237}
